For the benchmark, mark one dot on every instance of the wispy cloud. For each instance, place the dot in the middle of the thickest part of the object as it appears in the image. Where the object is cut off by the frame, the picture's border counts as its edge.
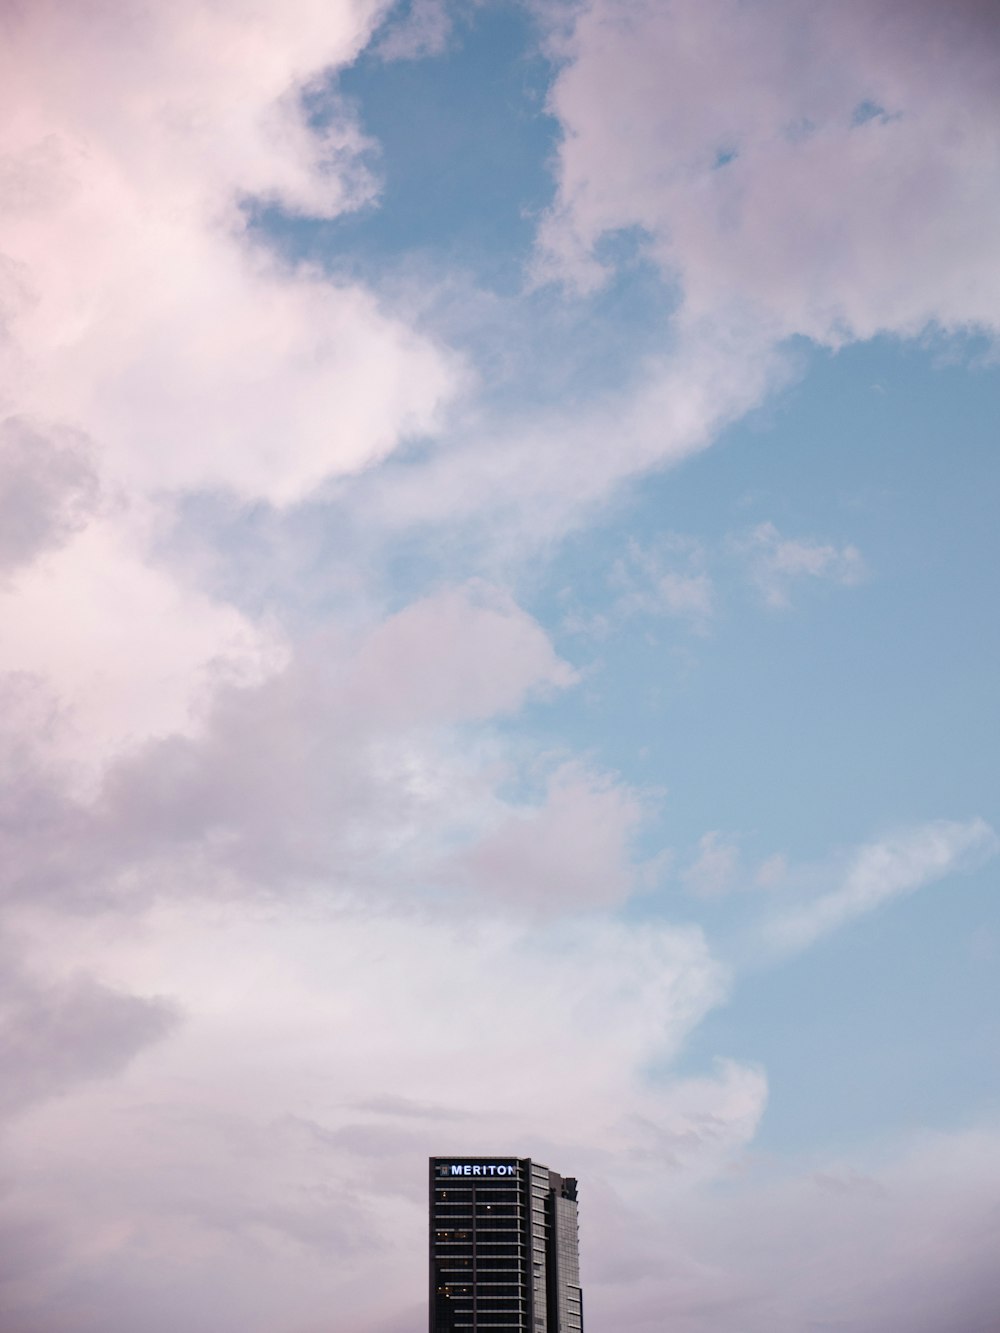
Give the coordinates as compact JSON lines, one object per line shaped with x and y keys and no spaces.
{"x":888,"y":868}
{"x":422,"y":31}
{"x":777,"y":563}
{"x":665,"y":579}
{"x":714,"y":869}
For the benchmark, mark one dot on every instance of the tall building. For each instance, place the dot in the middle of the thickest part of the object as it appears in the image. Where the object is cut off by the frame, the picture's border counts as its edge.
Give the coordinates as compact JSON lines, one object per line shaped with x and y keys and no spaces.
{"x":504,"y":1250}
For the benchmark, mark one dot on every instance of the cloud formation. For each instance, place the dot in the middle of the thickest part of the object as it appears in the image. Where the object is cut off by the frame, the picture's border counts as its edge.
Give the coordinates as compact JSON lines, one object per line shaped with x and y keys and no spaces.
{"x":777,"y":562}
{"x":55,"y":1035}
{"x":285,"y":1122}
{"x":712,"y":871}
{"x":139,"y":311}
{"x":825,"y":187}
{"x":48,"y":490}
{"x":904,"y":1243}
{"x":293,"y":897}
{"x":897,"y":864}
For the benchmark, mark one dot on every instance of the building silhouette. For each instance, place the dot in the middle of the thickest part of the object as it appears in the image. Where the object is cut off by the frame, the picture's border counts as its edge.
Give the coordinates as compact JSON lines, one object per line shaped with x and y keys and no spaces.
{"x":504,"y":1251}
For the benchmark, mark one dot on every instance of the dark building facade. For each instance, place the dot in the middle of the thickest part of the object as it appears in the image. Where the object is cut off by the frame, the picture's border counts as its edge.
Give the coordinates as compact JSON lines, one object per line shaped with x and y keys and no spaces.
{"x":504,"y":1250}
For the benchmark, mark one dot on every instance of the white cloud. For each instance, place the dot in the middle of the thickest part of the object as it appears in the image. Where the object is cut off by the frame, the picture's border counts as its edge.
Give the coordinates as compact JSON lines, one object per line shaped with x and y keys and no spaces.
{"x":126,"y":651}
{"x":686,"y":594}
{"x":667,"y":578}
{"x":715,"y":868}
{"x":776,"y":562}
{"x":423,"y":31}
{"x":510,"y":486}
{"x":772,"y":871}
{"x":894,"y":865}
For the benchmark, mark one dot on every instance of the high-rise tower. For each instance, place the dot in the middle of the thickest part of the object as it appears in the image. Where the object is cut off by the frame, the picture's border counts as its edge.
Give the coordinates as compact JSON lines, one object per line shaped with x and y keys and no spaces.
{"x":504,"y":1252}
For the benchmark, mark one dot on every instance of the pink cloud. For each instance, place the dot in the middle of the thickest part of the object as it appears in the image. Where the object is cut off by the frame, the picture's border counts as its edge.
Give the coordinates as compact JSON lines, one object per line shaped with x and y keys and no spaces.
{"x":904,"y":1242}
{"x":249,"y":1168}
{"x":137,"y":310}
{"x":365,"y":762}
{"x":465,"y":653}
{"x":574,"y":849}
{"x":795,"y":169}
{"x":149,"y":347}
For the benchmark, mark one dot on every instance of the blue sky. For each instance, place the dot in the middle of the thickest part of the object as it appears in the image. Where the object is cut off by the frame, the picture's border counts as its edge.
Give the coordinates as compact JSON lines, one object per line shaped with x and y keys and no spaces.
{"x":499,"y":561}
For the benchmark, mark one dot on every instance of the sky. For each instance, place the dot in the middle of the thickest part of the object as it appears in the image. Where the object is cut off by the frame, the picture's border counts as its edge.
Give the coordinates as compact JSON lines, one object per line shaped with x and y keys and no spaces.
{"x":498,"y":654}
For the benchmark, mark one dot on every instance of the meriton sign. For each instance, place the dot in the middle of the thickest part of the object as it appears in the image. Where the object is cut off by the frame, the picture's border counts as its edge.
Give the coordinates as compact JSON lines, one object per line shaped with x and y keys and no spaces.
{"x":480,"y":1169}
